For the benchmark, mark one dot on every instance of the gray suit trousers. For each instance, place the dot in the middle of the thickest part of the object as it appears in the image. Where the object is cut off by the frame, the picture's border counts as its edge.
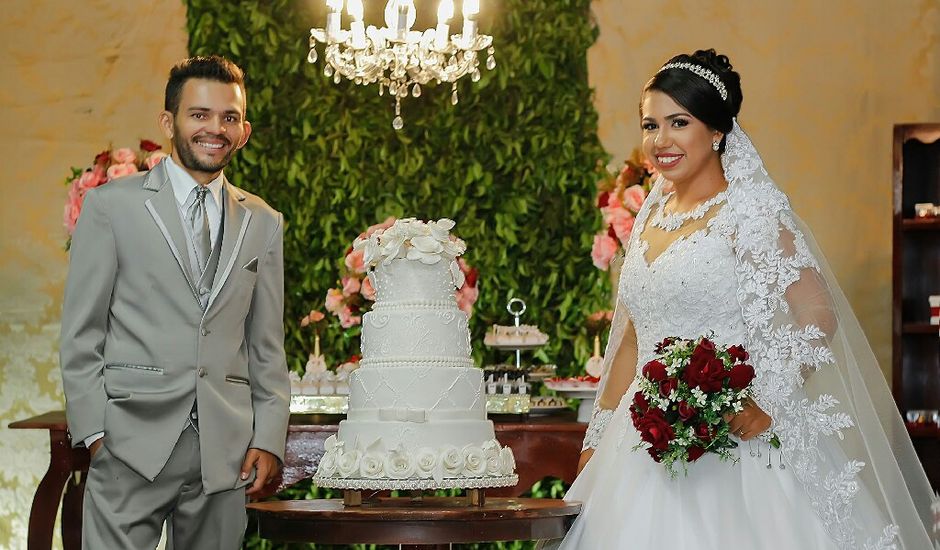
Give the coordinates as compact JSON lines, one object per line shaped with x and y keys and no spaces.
{"x":125,"y":511}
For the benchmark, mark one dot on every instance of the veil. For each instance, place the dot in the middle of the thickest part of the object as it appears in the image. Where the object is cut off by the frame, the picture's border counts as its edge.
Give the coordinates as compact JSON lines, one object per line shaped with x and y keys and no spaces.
{"x":840,"y":432}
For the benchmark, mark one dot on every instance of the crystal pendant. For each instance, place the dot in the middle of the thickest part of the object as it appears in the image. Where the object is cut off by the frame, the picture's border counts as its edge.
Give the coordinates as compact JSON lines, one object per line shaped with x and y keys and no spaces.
{"x":416,"y":91}
{"x":393,"y":88}
{"x":312,"y":56}
{"x":358,"y":80}
{"x":491,"y":63}
{"x":336,"y":78}
{"x":398,"y":123}
{"x":381,"y":89}
{"x":328,"y":70}
{"x":453,"y":98}
{"x":475,"y":75}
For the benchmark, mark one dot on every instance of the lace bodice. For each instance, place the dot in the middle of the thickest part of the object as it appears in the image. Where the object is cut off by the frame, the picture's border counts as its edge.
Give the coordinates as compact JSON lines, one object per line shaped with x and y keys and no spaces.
{"x":687,"y":291}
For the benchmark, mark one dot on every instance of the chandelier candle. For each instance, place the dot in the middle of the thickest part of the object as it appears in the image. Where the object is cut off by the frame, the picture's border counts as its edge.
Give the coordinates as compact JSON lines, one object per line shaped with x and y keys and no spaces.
{"x":444,"y":12}
{"x":333,"y":19}
{"x":358,"y":30}
{"x":470,"y":9}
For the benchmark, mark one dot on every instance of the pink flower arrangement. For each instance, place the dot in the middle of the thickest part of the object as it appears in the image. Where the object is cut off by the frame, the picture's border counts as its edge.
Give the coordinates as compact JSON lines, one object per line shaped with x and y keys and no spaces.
{"x":620,"y":197}
{"x":108,"y":165}
{"x":355,"y":294}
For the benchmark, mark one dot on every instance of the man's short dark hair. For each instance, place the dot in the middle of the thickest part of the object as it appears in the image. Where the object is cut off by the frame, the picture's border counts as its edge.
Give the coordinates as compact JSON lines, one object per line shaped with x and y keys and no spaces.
{"x":212,"y":67}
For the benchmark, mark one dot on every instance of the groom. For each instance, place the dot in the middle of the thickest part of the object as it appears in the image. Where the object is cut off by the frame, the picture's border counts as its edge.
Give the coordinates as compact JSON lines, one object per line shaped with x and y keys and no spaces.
{"x":172,"y":344}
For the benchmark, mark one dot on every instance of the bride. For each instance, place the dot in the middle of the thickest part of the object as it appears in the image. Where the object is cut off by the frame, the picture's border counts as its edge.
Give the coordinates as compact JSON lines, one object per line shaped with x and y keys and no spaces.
{"x":717,"y":249}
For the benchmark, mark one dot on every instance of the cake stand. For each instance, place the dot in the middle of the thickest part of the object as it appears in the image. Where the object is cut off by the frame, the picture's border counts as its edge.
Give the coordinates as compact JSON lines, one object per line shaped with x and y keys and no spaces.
{"x":586,"y":395}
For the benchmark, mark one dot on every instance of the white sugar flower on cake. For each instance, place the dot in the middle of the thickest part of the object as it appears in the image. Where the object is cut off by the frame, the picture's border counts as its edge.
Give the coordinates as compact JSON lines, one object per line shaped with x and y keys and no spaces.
{"x":426,"y":242}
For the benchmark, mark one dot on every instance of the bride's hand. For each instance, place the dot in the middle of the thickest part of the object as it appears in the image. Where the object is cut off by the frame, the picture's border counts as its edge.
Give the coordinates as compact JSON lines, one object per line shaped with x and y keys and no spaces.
{"x":586,"y":455}
{"x":750,"y":422}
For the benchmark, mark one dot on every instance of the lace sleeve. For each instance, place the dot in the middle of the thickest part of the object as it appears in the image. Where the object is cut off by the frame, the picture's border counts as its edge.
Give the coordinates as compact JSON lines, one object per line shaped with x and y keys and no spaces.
{"x":618,"y":374}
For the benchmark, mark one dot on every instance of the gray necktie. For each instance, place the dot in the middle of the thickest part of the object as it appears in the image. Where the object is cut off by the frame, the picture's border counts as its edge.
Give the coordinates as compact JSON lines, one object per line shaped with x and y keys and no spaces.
{"x":199,"y":223}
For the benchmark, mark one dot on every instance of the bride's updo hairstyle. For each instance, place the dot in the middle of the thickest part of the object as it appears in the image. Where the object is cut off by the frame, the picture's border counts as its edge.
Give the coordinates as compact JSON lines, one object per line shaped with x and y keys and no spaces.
{"x":697,"y":94}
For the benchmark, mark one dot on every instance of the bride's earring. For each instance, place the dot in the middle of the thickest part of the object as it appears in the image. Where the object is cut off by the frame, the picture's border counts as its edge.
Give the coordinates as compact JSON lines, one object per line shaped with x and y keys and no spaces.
{"x":716,"y":145}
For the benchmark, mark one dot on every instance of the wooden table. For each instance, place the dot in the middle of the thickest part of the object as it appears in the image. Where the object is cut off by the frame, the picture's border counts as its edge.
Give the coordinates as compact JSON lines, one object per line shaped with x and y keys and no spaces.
{"x":543,"y":446}
{"x":427,"y":523}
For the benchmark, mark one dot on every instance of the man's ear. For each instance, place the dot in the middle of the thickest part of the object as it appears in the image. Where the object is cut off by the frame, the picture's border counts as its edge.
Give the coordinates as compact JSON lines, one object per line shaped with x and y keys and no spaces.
{"x":165,"y":120}
{"x":245,"y":137}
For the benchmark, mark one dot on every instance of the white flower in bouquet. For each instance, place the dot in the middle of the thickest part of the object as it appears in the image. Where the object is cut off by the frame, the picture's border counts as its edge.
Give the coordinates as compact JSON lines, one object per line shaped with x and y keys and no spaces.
{"x":453,"y":460}
{"x":399,"y":464}
{"x":348,"y":463}
{"x":508,"y":459}
{"x":427,"y":463}
{"x":371,"y":465}
{"x":474,"y":461}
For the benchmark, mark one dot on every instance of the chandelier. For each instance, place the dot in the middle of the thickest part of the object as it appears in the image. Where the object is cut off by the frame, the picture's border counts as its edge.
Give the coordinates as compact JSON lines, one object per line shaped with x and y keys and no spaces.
{"x":401,"y":60}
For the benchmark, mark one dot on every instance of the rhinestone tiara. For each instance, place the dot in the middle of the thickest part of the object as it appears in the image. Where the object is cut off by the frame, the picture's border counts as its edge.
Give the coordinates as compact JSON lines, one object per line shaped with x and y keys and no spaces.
{"x":711,"y":77}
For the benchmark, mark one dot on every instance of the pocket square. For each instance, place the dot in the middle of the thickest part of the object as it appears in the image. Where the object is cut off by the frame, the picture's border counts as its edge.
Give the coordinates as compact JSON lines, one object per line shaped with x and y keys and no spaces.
{"x":252,"y":265}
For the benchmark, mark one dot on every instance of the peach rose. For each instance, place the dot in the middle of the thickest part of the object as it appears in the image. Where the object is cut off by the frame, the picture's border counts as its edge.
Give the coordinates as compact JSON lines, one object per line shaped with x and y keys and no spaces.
{"x":603,"y":251}
{"x":466,"y":297}
{"x":623,"y":226}
{"x":334,"y":300}
{"x":351,"y":286}
{"x":367,"y":290}
{"x":389,"y":221}
{"x":73,"y":206}
{"x":633,"y":197}
{"x":316,"y":316}
{"x":124,"y":156}
{"x":354,"y":261}
{"x":90,"y":179}
{"x":154,"y":159}
{"x":120,"y":170}
{"x":347,"y":319}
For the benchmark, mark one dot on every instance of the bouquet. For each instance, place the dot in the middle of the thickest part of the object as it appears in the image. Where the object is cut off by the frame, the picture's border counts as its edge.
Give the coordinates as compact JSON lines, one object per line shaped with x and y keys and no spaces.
{"x":109,"y":164}
{"x":620,"y":196}
{"x":683,"y":397}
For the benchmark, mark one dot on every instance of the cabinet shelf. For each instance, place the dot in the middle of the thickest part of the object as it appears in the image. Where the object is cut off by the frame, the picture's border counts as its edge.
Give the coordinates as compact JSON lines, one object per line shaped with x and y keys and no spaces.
{"x":920,"y":224}
{"x":920,"y":328}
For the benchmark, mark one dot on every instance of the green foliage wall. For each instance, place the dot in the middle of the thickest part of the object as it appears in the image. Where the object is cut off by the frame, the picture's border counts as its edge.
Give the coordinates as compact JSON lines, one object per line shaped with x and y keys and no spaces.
{"x":513,"y":163}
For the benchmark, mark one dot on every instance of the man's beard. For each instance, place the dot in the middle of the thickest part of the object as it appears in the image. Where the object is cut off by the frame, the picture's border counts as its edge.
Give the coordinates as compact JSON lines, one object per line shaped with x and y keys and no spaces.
{"x":190,"y":160}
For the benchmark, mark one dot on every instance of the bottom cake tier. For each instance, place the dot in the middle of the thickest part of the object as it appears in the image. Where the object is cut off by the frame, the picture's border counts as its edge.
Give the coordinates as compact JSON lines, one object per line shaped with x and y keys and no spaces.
{"x":411,"y":457}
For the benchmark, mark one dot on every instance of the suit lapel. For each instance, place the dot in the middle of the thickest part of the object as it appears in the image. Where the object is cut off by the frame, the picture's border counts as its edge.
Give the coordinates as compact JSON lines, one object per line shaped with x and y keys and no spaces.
{"x":234,"y":224}
{"x":162,"y":206}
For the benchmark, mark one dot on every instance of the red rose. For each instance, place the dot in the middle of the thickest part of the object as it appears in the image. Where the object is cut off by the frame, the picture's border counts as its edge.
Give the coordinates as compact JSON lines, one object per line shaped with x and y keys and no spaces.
{"x":655,"y":430}
{"x":472,"y":276}
{"x":694,"y":453}
{"x":640,"y":401}
{"x":149,"y":146}
{"x":741,"y":376}
{"x":706,"y":375}
{"x":703,"y":432}
{"x":661,"y":347}
{"x":738,"y":353}
{"x":686,"y":411}
{"x":655,"y":371}
{"x":666,"y":386}
{"x":611,"y":233}
{"x":603,"y":199}
{"x":657,"y":455}
{"x":103,"y":157}
{"x":706,"y":345}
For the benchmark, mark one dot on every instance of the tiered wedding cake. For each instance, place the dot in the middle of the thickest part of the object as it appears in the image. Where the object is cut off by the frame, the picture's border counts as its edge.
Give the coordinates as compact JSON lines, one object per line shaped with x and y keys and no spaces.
{"x":417,"y":410}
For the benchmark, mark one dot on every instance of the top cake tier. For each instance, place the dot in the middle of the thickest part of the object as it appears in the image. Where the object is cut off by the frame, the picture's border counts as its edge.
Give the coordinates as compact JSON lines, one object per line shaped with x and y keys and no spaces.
{"x":406,"y":283}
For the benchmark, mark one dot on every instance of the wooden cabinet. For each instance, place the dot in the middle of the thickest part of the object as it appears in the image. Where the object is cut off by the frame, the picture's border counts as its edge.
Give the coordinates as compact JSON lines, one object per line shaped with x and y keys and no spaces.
{"x":916,"y":275}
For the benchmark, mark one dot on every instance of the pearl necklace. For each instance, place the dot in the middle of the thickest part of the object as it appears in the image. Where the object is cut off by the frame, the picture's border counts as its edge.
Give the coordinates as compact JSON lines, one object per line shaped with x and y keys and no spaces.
{"x":675,"y":220}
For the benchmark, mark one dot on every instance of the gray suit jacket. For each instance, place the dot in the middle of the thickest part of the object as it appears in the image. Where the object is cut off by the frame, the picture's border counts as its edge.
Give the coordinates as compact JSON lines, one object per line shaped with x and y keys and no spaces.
{"x":137,"y":349}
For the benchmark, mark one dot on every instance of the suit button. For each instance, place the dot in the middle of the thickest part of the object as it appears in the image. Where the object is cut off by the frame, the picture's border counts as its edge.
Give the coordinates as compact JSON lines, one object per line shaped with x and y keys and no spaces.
{"x":201,"y":372}
{"x":204,"y":332}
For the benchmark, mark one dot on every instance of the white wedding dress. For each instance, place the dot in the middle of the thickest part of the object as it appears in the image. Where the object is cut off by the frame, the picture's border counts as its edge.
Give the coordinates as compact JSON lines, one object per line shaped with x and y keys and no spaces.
{"x":631,"y":502}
